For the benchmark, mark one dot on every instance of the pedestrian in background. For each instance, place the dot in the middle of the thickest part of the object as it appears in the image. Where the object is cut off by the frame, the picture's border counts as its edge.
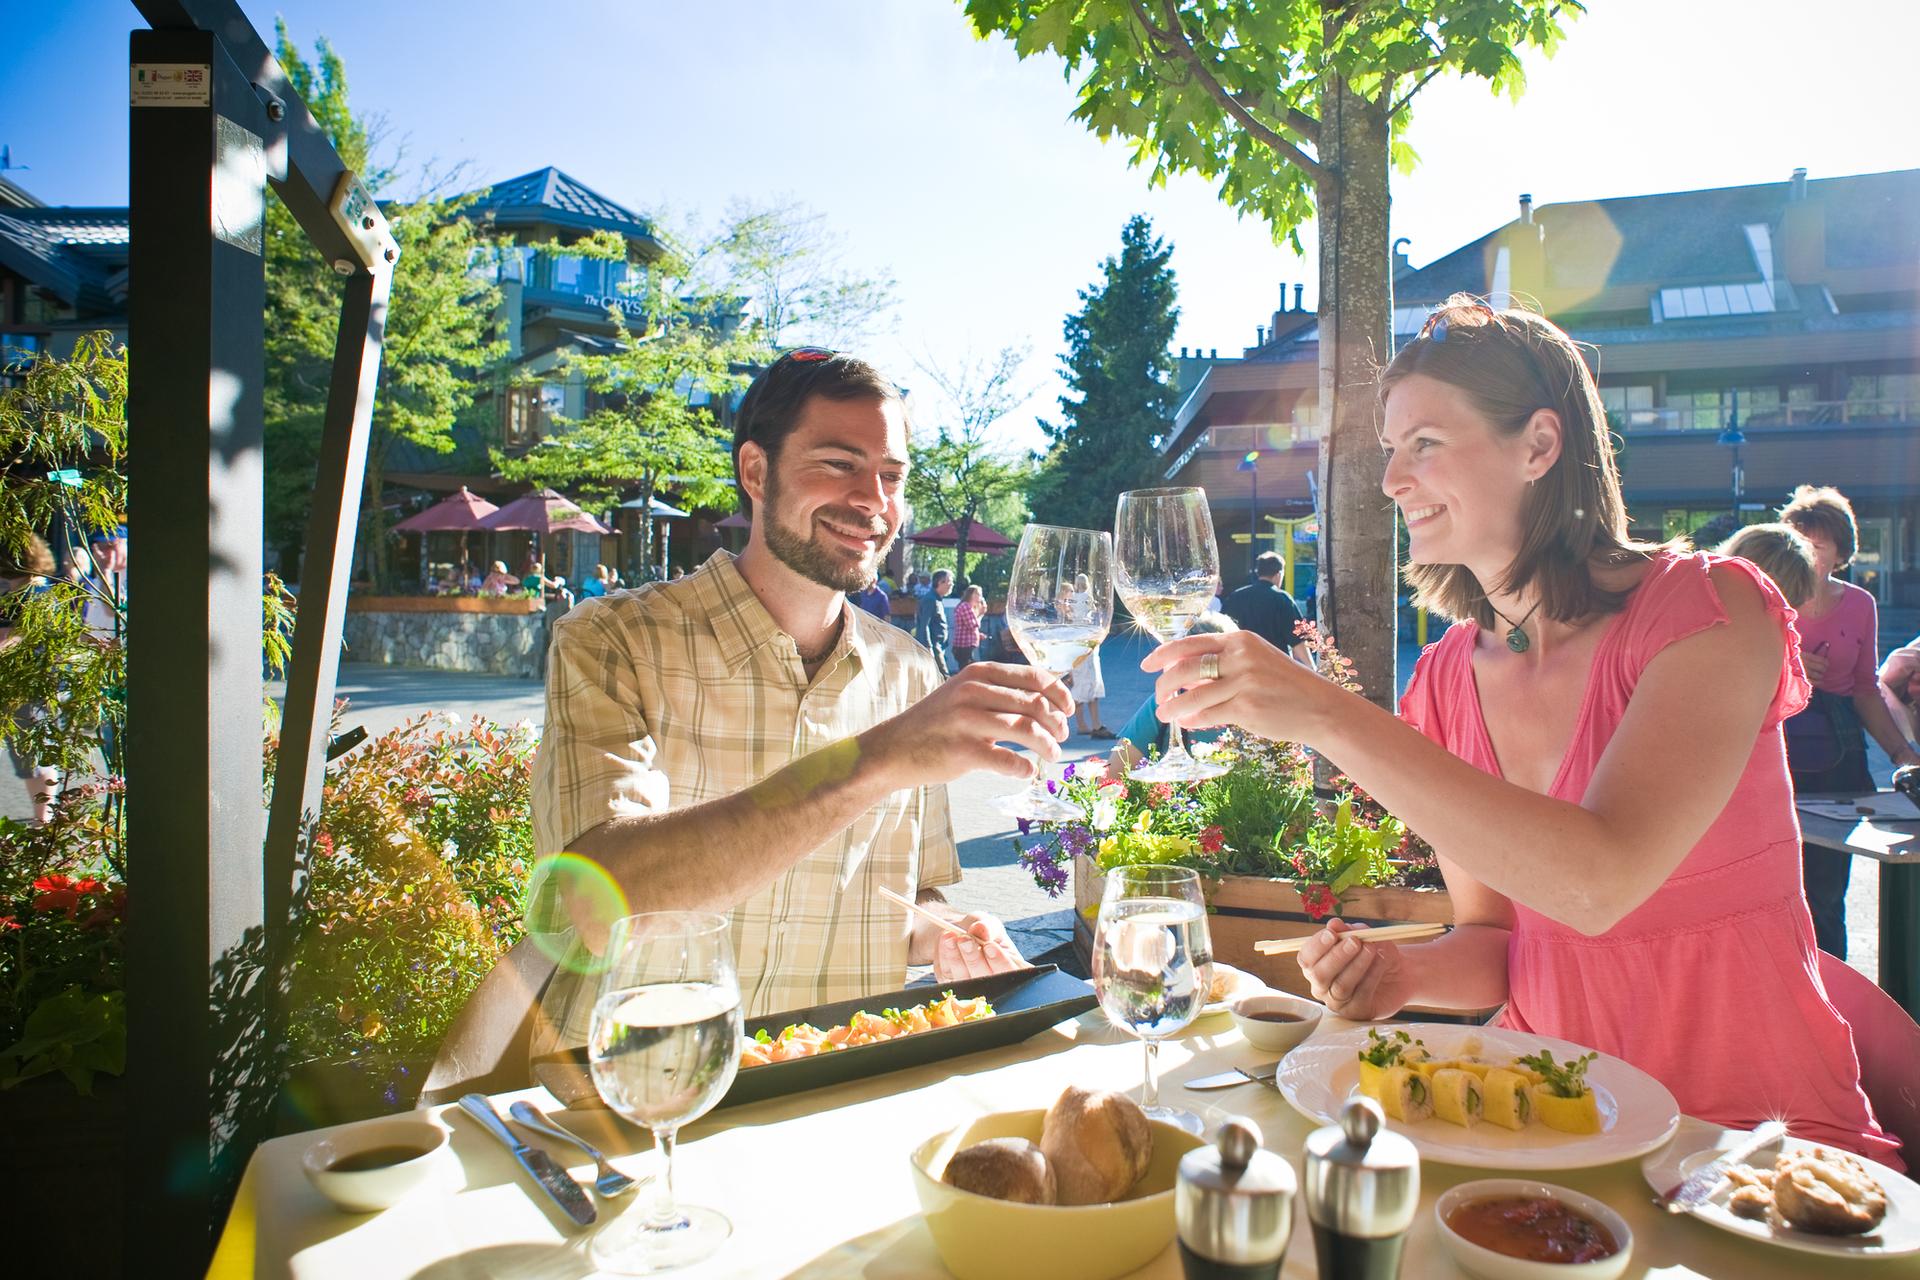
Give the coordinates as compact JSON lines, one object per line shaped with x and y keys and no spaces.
{"x":1269,"y":612}
{"x":1826,"y":743}
{"x":875,"y":600}
{"x":930,"y":619}
{"x":966,"y":624}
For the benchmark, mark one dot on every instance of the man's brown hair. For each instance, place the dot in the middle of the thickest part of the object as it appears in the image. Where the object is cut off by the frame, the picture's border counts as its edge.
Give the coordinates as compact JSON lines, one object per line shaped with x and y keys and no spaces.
{"x":1512,"y":364}
{"x":775,"y":401}
{"x":1823,"y":509}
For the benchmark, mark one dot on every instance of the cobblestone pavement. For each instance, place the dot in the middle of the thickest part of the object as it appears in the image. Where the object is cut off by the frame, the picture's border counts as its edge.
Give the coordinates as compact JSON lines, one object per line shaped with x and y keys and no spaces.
{"x":381,"y":697}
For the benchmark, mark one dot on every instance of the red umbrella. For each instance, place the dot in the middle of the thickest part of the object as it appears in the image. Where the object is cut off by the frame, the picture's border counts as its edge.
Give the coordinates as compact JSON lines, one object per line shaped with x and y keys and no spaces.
{"x":979,"y":537}
{"x":543,"y":512}
{"x":457,"y":512}
{"x":735,"y":521}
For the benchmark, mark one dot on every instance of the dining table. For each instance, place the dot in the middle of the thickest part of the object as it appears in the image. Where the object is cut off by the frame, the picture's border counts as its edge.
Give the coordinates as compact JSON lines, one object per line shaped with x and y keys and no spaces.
{"x":817,"y":1184}
{"x":1894,"y":845}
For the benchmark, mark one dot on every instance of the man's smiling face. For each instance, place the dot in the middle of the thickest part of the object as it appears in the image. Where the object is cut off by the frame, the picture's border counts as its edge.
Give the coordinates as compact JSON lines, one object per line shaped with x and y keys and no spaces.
{"x":835,"y":494}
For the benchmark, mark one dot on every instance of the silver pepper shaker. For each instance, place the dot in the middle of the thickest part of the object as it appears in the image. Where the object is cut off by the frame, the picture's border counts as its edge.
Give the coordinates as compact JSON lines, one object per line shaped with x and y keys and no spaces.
{"x":1363,"y":1185}
{"x":1233,"y":1203}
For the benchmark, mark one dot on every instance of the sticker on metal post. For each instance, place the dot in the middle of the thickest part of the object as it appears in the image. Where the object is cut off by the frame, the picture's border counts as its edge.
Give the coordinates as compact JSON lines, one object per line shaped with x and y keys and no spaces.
{"x":172,"y":84}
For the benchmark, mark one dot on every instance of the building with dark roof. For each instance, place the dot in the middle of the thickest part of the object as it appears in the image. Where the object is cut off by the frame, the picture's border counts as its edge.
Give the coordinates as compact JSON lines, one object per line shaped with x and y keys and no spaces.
{"x":63,"y":272}
{"x":1790,"y":310}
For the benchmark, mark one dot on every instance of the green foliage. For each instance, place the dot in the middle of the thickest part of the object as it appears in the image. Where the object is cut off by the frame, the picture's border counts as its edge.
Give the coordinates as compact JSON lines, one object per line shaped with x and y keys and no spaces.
{"x":77,"y":1033}
{"x":63,"y":443}
{"x":1119,"y":369}
{"x":440,"y":341}
{"x":1235,"y":90}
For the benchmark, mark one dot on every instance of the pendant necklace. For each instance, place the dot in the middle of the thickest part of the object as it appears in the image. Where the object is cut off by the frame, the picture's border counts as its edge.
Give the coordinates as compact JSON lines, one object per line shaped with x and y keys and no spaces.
{"x":1516,"y":638}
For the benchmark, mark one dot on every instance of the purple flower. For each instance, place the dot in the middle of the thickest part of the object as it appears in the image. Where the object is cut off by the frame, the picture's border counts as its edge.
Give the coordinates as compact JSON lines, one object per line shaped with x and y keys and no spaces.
{"x":1024,"y":825}
{"x":1066,"y":774}
{"x":1076,"y":841}
{"x":1052,"y":787}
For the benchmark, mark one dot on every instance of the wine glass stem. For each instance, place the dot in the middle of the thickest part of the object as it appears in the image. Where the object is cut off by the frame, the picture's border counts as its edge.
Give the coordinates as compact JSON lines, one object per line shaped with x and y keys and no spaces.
{"x":1176,"y":743}
{"x":1037,"y":788}
{"x":1150,"y":1094}
{"x":664,"y":1213}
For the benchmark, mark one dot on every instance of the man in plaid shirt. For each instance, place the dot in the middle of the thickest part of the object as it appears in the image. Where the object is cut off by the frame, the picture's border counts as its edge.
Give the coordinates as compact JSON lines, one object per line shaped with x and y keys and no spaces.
{"x":745,"y":741}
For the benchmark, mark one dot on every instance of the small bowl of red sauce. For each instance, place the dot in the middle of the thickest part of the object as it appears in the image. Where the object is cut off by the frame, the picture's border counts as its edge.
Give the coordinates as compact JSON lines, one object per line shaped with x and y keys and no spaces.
{"x":1518,"y":1229}
{"x":1274,"y":1021}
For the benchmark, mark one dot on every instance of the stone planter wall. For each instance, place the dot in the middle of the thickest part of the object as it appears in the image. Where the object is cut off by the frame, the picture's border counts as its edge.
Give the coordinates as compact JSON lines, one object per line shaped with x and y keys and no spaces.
{"x":1243,"y":910}
{"x":498,"y":637}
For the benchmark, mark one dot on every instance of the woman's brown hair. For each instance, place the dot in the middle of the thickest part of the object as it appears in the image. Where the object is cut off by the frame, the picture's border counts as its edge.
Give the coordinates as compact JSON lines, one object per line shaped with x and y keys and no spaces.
{"x":1825,"y":510}
{"x":1512,"y":364}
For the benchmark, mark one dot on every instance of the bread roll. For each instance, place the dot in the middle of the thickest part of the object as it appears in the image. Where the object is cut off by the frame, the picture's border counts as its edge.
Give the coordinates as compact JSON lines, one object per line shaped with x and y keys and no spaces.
{"x":1004,"y":1168}
{"x":1098,"y":1143}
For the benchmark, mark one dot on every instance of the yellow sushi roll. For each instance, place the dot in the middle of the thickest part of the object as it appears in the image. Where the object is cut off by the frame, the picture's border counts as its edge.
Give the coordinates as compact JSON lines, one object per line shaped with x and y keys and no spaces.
{"x":1506,"y":1099}
{"x":1456,"y":1097}
{"x":1370,"y":1077}
{"x":1405,"y":1095}
{"x":1568,"y":1115}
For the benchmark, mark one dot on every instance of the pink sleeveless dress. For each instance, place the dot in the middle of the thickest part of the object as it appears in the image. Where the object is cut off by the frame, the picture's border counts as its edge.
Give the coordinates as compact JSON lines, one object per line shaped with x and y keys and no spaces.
{"x":1711,"y":985}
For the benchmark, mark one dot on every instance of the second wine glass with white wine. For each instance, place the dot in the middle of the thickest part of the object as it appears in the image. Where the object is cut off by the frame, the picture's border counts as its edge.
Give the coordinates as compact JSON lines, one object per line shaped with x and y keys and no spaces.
{"x":1059,"y":607}
{"x":1165,"y":566}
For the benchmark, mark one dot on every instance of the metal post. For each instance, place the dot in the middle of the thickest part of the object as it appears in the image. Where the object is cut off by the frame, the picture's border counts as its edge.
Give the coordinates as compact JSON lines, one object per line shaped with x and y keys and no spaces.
{"x":196,"y":292}
{"x":311,"y":675}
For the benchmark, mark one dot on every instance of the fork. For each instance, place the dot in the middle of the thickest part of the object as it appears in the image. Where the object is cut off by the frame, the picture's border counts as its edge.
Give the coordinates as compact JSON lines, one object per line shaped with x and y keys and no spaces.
{"x":608,"y":1181}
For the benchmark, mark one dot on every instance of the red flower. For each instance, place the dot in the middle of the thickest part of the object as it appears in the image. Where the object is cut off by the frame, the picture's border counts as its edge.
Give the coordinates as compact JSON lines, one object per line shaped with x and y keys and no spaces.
{"x":1212,"y":840}
{"x":8,"y":922}
{"x":1318,"y":902}
{"x":1113,"y":782}
{"x":1159,"y":793}
{"x":323,"y":845}
{"x":87,"y":886}
{"x":56,"y":893}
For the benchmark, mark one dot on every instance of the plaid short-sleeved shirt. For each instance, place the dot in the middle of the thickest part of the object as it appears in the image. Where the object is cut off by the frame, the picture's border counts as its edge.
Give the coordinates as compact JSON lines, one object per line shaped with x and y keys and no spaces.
{"x":682,"y":692}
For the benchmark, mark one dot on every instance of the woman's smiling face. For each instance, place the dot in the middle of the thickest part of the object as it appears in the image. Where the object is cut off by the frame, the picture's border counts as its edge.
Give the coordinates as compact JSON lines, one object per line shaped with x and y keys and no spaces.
{"x":1460,"y":484}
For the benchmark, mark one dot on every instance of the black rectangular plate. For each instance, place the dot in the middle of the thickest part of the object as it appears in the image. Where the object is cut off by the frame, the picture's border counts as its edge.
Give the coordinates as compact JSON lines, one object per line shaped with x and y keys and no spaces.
{"x":1025,"y":1003}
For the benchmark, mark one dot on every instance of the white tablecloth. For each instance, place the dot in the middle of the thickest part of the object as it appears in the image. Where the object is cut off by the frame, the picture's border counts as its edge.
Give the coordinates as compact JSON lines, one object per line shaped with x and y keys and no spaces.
{"x":817,"y":1184}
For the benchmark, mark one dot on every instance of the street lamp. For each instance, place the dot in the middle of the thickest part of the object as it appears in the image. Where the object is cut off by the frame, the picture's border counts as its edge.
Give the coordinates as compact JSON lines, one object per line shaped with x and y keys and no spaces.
{"x":1733,"y":437}
{"x":1251,"y":463}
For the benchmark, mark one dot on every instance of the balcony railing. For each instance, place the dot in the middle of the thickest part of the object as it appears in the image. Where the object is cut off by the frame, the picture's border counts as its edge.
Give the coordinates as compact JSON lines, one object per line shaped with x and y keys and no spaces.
{"x":1814,"y":413}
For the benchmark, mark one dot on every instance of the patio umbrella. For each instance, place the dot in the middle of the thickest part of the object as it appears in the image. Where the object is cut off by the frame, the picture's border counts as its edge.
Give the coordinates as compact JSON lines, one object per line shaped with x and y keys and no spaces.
{"x":735,"y":521}
{"x":979,"y":537}
{"x":543,"y":512}
{"x":458,"y":512}
{"x":657,"y":510}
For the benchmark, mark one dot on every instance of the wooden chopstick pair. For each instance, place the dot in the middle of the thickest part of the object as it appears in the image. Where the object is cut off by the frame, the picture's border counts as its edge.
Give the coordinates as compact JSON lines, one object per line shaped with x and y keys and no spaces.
{"x":917,"y":909}
{"x":1387,"y":933}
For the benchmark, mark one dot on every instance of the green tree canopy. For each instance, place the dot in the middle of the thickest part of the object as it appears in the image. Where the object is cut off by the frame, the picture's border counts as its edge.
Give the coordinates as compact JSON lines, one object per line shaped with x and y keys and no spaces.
{"x":1119,"y":372}
{"x":440,"y":333}
{"x":1295,"y":108}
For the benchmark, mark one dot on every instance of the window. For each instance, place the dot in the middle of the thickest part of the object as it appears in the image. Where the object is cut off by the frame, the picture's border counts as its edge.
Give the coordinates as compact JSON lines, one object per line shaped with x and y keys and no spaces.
{"x":1628,"y":408}
{"x":566,"y":273}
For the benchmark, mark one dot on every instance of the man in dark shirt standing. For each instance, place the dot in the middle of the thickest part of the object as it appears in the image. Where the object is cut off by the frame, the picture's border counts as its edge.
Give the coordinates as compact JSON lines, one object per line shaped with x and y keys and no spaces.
{"x":930,"y":619}
{"x":1267,"y":611}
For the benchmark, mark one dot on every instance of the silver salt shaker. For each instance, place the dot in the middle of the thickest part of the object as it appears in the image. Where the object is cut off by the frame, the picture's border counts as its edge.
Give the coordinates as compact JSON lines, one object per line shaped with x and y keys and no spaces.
{"x":1363,"y":1186}
{"x":1233,"y":1203}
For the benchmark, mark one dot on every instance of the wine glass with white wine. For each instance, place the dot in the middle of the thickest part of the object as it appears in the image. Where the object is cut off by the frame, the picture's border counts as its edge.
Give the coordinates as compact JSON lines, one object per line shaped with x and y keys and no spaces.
{"x":664,"y":1047}
{"x":1165,"y":565}
{"x":1059,"y":608}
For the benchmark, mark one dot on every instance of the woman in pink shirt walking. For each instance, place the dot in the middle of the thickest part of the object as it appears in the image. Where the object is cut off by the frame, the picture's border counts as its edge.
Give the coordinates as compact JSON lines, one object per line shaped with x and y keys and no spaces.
{"x":1826,"y":747}
{"x":1593,"y":750}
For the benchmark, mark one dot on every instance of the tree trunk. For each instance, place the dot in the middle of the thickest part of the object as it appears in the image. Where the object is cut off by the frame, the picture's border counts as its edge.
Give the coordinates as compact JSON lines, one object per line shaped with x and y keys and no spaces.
{"x":1358,"y":584}
{"x":962,"y":529}
{"x":373,"y":529}
{"x":646,"y":529}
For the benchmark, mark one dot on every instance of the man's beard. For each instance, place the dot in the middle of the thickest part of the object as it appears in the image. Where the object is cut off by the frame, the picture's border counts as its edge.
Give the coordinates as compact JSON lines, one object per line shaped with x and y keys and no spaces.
{"x":817,"y":563}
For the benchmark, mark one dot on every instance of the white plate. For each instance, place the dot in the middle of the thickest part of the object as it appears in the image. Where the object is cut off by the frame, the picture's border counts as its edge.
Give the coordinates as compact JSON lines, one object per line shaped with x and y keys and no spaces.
{"x":1899,"y":1233}
{"x":1637,"y":1113}
{"x":1244,"y":984}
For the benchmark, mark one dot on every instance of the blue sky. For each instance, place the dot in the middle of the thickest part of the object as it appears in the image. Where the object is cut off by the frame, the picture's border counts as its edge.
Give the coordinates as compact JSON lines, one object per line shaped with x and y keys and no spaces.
{"x":944,"y":160}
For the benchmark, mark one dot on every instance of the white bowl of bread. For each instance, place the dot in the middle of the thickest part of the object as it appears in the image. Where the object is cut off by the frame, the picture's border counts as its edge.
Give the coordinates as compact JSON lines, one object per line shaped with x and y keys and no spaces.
{"x":1084,"y":1188}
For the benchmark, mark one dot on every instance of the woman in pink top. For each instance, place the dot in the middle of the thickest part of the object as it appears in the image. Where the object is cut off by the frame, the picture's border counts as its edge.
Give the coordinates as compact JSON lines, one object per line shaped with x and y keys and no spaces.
{"x":1594,"y":751}
{"x":1826,"y":748}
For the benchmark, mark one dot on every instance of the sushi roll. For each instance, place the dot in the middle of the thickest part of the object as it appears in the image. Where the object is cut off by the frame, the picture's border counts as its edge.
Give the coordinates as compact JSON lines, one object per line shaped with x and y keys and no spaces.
{"x":1405,"y":1095}
{"x":1507,"y":1100}
{"x":1568,"y":1115}
{"x":1456,"y":1097}
{"x":1370,"y":1077}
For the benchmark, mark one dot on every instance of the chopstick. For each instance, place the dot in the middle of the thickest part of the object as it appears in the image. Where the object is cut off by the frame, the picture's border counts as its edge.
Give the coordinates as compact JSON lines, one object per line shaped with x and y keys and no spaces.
{"x":1387,"y":933}
{"x":917,"y":909}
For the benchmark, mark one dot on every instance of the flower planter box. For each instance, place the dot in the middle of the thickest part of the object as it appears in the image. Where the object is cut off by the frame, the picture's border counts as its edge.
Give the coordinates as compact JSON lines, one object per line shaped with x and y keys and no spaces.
{"x":1243,"y":910}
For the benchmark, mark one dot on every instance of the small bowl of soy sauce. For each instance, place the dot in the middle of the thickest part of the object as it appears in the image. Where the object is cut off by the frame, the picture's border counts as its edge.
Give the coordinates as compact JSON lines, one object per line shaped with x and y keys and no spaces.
{"x":364,"y":1168}
{"x":1275,"y":1021}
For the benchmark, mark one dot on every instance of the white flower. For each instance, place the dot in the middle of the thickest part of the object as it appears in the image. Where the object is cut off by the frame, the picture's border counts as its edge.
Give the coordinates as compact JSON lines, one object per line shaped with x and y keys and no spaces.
{"x":1105,"y":810}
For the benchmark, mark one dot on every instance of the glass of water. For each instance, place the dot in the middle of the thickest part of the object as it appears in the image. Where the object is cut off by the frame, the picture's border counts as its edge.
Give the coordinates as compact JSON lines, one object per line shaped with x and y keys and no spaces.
{"x":1059,"y":607}
{"x":1151,"y":961}
{"x":664,"y":1047}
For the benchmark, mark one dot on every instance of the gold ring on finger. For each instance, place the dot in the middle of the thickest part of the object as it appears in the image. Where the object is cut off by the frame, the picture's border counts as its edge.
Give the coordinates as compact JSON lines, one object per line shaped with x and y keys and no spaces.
{"x":1210,"y":666}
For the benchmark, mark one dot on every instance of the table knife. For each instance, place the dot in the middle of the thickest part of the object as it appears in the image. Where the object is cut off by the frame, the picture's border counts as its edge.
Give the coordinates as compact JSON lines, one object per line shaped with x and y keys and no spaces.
{"x":1702,"y":1182}
{"x":1239,"y":1075}
{"x":553,"y":1180}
